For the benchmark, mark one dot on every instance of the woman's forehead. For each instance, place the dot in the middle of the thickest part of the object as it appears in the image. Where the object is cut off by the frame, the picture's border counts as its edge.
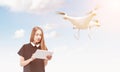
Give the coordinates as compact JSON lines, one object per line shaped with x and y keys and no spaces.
{"x":38,"y":32}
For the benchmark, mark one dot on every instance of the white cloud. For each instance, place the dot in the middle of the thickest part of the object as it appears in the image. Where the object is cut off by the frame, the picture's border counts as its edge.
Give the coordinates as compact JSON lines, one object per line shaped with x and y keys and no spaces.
{"x":19,"y":33}
{"x":85,"y":59}
{"x":32,"y":6}
{"x":49,"y":26}
{"x":52,"y":34}
{"x":109,"y":14}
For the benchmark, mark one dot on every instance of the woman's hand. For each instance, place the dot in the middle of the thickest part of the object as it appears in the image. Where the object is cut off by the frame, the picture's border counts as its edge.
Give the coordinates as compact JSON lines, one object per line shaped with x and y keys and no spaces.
{"x":32,"y":57}
{"x":24,"y":62}
{"x":49,"y":57}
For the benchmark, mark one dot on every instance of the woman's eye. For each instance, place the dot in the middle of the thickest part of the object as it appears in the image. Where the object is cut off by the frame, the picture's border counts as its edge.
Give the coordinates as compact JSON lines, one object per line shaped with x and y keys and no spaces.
{"x":38,"y":35}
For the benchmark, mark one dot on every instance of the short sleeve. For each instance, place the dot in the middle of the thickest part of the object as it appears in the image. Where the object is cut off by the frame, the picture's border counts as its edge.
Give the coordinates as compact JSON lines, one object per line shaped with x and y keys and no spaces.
{"x":21,"y":51}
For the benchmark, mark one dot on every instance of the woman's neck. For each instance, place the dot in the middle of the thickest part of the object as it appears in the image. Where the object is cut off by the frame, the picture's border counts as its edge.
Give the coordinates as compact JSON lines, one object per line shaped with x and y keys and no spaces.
{"x":35,"y":43}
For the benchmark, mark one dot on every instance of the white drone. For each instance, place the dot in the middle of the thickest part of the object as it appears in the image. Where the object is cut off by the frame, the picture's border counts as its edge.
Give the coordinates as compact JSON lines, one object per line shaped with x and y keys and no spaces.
{"x":85,"y":22}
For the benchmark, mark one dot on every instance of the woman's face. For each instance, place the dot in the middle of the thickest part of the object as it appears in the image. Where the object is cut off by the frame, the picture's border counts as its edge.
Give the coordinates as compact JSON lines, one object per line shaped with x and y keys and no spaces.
{"x":37,"y":36}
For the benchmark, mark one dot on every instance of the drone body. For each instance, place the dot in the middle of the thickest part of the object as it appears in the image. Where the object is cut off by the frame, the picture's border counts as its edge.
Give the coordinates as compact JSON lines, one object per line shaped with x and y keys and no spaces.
{"x":82,"y":23}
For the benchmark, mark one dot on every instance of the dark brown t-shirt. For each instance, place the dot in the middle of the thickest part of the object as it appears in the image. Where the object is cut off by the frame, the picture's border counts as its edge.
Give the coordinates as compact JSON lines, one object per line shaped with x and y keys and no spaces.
{"x":36,"y":65}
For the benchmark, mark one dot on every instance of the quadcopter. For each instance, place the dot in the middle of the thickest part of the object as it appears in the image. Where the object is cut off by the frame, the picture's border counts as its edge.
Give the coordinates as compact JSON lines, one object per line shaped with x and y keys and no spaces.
{"x":82,"y":23}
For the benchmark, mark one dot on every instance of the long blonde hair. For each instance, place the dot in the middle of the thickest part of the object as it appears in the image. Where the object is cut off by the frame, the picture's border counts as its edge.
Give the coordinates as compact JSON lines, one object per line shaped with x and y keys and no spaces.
{"x":42,"y":42}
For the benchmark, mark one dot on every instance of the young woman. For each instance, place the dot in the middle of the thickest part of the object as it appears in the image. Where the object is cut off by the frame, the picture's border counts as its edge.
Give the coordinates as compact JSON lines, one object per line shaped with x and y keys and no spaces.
{"x":29,"y":63}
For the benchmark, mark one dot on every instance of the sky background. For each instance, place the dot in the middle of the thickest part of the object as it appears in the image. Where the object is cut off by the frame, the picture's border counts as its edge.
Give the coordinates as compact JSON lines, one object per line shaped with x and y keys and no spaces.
{"x":99,"y":54}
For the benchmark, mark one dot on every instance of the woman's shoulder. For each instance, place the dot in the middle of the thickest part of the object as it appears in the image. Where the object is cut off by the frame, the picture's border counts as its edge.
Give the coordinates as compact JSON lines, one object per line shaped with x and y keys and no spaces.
{"x":26,"y":44}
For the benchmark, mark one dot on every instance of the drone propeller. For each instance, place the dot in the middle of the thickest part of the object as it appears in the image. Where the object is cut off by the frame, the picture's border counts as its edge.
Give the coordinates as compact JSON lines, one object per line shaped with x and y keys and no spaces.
{"x":61,"y":13}
{"x":96,"y":8}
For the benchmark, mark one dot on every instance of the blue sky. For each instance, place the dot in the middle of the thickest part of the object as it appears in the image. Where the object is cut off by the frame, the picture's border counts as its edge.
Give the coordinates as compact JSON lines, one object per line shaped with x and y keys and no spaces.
{"x":99,"y":54}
